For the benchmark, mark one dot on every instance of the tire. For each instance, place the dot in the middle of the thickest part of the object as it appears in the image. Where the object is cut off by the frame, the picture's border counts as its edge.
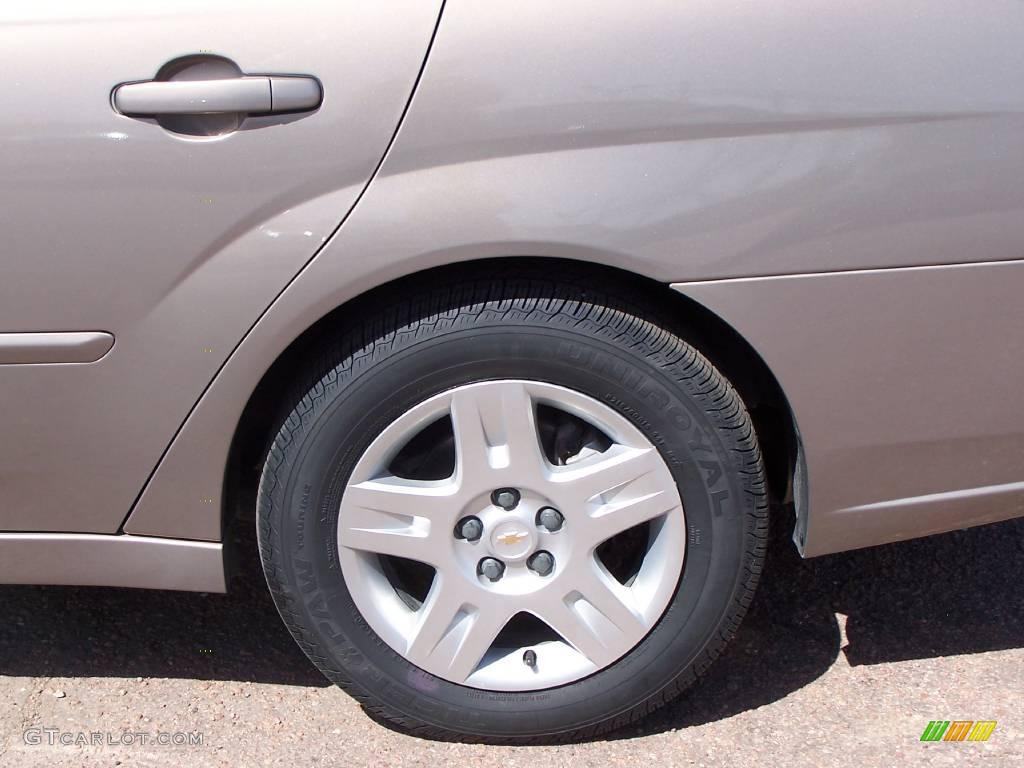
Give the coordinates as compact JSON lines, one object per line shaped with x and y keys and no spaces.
{"x":531,"y":330}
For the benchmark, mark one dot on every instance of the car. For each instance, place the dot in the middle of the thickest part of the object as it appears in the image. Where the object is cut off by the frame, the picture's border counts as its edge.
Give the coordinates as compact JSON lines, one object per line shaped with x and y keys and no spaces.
{"x":508,"y":328}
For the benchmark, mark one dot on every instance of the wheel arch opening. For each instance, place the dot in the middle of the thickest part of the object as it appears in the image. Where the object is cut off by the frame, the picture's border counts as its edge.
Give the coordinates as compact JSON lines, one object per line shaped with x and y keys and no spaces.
{"x":302,"y":363}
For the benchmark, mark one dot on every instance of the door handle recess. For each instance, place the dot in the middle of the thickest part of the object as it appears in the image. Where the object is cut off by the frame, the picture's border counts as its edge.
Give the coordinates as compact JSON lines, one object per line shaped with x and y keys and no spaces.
{"x":251,"y":94}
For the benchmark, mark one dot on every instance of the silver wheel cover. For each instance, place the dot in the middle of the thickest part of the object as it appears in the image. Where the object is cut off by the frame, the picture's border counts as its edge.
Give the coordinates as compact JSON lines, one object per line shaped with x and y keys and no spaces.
{"x":593,"y":618}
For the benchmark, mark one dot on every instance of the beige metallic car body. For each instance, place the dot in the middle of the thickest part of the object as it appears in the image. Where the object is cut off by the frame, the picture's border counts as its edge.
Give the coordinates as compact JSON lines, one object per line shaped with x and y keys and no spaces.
{"x":831,"y":193}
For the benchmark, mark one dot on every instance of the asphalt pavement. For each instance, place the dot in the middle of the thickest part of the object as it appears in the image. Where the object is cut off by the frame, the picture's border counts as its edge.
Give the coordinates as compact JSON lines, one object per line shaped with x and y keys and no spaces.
{"x":842,"y":660}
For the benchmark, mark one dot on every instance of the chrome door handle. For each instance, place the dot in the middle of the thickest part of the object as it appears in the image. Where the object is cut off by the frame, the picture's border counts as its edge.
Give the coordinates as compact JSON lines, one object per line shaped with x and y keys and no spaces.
{"x":250,"y":94}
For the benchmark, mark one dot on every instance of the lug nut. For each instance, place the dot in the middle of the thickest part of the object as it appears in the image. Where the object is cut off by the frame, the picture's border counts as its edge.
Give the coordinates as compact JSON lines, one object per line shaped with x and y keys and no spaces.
{"x":541,"y":563}
{"x":550,"y":518}
{"x":469,"y":528}
{"x":491,"y":569}
{"x":506,"y":498}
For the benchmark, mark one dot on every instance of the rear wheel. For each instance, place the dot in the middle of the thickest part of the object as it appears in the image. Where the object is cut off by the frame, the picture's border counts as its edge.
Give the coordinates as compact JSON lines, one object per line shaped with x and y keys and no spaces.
{"x":513,"y":513}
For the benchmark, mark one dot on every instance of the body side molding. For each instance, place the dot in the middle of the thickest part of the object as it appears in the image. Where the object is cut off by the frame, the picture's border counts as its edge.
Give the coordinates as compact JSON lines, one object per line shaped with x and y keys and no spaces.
{"x":90,"y":559}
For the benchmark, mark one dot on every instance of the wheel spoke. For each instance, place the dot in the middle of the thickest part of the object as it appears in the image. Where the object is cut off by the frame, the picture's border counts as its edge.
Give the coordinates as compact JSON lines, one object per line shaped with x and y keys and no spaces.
{"x":618,"y":516}
{"x":487,"y":623}
{"x":392,"y":516}
{"x":603,"y":476}
{"x":439,"y":616}
{"x":399,"y":497}
{"x":564,"y":618}
{"x":611,"y":599}
{"x":496,"y":434}
{"x":412,"y":542}
{"x":595,"y":617}
{"x":453,"y":635}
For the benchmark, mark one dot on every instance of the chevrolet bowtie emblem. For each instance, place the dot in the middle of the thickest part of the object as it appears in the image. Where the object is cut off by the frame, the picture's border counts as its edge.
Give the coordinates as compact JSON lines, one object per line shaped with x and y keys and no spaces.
{"x":511,"y":538}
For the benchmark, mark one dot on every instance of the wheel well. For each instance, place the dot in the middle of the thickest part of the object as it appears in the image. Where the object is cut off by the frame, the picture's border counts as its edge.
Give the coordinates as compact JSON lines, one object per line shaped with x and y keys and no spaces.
{"x":715,"y":339}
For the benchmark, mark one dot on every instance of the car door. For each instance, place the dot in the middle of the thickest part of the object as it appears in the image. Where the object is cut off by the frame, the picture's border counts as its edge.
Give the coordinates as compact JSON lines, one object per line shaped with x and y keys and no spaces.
{"x":142,"y":240}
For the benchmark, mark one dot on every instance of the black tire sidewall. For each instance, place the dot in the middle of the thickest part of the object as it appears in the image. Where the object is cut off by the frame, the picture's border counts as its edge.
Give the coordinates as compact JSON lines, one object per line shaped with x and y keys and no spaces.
{"x":661,"y":397}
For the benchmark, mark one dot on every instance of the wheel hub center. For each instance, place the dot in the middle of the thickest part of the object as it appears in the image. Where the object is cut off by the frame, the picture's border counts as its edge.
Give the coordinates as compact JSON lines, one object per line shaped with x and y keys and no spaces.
{"x":512,"y":540}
